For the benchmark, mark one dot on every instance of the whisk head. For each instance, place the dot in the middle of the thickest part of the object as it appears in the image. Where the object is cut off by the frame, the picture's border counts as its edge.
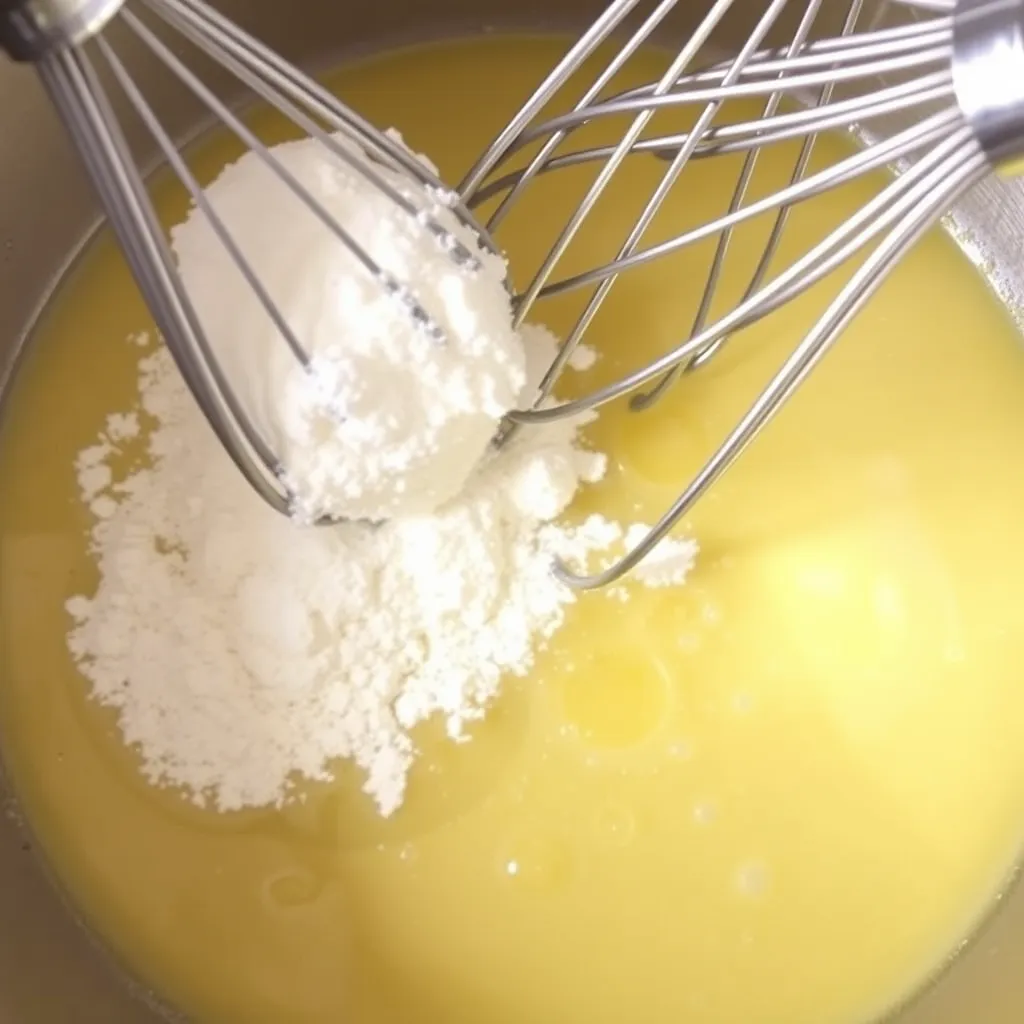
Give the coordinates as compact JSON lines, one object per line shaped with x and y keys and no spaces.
{"x":922,"y":85}
{"x":935,"y":94}
{"x":80,"y":67}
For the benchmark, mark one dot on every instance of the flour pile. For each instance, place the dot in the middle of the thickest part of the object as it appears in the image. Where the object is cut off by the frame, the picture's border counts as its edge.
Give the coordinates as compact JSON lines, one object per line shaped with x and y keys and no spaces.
{"x":391,"y":421}
{"x":245,"y":651}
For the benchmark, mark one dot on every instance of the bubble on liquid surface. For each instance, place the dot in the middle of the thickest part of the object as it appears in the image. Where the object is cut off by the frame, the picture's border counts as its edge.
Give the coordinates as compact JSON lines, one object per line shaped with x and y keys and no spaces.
{"x":534,"y":861}
{"x":752,"y":879}
{"x":688,"y":643}
{"x":704,"y":812}
{"x":667,"y":435}
{"x":680,"y":750}
{"x":615,"y":825}
{"x":408,"y":853}
{"x":291,"y":888}
{"x":710,"y":614}
{"x":617,"y":700}
{"x":742,"y":702}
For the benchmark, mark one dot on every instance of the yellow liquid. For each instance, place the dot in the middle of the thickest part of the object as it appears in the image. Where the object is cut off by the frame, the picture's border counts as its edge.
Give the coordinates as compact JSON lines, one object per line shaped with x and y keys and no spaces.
{"x":779,"y":796}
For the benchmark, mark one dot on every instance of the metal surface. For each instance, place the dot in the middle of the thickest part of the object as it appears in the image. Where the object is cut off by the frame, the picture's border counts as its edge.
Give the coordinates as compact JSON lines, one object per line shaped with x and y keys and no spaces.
{"x":988,"y":76}
{"x":29,"y":29}
{"x":50,"y":972}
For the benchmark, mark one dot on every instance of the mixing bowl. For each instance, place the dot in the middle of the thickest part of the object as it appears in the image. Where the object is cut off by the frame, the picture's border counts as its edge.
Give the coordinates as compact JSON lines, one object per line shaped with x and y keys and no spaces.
{"x":51,"y":971}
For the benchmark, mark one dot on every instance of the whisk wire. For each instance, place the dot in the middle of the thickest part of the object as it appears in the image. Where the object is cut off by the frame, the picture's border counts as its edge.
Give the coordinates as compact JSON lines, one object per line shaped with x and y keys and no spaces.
{"x":800,"y":276}
{"x":947,"y":179}
{"x":232,"y":53}
{"x":861,"y":162}
{"x":600,"y":30}
{"x":198,"y":196}
{"x":818,"y":53}
{"x":609,"y":169}
{"x":321,"y":103}
{"x":741,"y":136}
{"x":669,"y":179}
{"x":80,"y":99}
{"x":645,"y":400}
{"x":255,"y":145}
{"x":537,"y":164}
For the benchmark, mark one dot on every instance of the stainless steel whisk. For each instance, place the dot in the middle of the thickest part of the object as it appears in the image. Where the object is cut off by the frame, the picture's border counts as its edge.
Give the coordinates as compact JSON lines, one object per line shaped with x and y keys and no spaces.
{"x":953,"y":73}
{"x":68,"y":42}
{"x":956,"y":73}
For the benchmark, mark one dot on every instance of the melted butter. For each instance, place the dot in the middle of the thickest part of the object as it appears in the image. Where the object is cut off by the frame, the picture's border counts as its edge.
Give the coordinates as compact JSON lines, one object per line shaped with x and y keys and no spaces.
{"x":784,"y":793}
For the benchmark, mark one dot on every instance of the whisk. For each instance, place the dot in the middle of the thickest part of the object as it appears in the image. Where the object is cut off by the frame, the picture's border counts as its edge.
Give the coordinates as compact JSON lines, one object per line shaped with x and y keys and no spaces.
{"x":951,"y":70}
{"x":67,"y":40}
{"x":956,"y":70}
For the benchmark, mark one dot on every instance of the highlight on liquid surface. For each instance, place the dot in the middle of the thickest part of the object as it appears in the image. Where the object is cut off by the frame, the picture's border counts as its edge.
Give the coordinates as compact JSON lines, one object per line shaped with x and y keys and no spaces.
{"x":779,"y":796}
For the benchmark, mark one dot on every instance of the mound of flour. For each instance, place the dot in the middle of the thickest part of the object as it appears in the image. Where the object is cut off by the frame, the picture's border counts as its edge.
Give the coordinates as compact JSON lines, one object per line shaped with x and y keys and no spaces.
{"x":245,"y":651}
{"x":392,"y":420}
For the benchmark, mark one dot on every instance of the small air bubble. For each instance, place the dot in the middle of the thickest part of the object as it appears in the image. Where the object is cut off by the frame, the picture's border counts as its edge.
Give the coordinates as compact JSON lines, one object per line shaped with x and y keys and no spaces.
{"x":680,"y":750}
{"x":688,"y":642}
{"x":704,"y":813}
{"x":752,"y":879}
{"x":615,"y":825}
{"x":710,"y":615}
{"x":742,"y":703}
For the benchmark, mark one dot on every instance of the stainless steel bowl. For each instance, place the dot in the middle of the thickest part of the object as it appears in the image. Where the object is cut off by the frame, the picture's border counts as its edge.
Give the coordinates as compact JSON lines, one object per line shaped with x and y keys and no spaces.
{"x":51,"y":971}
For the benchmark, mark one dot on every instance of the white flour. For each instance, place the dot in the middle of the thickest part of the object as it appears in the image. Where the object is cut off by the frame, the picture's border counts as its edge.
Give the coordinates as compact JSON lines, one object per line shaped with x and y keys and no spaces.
{"x":392,"y":422}
{"x":244,"y":651}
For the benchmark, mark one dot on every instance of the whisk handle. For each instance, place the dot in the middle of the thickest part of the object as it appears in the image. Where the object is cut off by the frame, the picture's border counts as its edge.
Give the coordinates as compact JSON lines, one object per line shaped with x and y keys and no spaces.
{"x":30,"y":29}
{"x":988,"y":77}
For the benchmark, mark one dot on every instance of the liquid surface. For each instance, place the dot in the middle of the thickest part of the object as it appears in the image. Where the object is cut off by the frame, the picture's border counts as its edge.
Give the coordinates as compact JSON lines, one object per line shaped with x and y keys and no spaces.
{"x":779,"y":796}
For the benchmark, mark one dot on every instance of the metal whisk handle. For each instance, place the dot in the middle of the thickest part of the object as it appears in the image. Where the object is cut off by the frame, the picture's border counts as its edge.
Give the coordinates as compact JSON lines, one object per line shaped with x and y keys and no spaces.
{"x":988,"y":76}
{"x":29,"y":29}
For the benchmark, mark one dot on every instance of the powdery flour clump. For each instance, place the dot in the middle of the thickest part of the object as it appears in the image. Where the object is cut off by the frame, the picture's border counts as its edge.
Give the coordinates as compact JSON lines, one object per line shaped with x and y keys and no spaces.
{"x":390,"y":421}
{"x":245,"y":651}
